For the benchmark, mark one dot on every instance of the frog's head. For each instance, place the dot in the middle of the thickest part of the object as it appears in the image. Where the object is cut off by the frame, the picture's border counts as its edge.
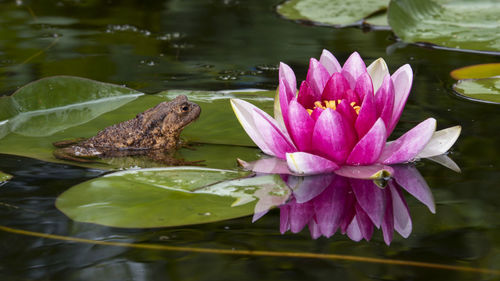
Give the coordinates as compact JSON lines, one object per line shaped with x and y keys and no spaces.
{"x":171,"y":116}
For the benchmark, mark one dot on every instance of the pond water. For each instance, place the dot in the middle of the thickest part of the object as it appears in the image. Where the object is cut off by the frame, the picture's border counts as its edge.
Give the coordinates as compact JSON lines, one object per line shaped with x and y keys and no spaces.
{"x":151,"y":46}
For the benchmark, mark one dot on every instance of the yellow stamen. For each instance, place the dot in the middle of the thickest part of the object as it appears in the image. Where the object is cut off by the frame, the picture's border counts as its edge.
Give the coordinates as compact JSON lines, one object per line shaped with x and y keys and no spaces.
{"x":333,"y":105}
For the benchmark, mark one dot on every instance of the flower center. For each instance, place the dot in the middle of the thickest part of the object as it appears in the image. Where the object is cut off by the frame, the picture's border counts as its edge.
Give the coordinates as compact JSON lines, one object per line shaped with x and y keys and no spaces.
{"x":333,"y":105}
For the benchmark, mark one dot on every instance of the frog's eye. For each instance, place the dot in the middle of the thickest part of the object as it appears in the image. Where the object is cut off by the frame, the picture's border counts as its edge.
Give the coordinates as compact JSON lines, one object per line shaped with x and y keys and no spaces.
{"x":185,"y":108}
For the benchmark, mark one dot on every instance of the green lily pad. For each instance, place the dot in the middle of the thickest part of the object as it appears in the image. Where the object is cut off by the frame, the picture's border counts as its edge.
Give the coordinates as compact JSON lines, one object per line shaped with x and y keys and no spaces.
{"x":164,"y":197}
{"x":463,"y":24}
{"x":4,"y":177}
{"x":332,"y":12}
{"x":63,"y":107}
{"x":482,"y":90}
{"x":476,"y":71}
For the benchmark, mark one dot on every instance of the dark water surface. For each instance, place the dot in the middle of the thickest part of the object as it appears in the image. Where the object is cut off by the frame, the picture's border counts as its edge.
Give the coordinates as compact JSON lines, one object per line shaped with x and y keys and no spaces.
{"x":213,"y":45}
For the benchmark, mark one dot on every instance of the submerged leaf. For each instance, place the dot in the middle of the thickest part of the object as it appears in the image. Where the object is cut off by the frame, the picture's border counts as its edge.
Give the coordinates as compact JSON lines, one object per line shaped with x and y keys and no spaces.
{"x":333,"y":12}
{"x":482,"y":90}
{"x":466,"y":24}
{"x":165,"y":197}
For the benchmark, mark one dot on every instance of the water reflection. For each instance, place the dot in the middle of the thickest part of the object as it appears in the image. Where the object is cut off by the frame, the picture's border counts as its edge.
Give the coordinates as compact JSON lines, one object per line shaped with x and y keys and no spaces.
{"x":330,"y":204}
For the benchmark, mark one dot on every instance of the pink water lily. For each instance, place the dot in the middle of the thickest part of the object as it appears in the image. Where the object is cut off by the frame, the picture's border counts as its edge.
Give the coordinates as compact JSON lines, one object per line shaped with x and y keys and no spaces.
{"x":341,"y":116}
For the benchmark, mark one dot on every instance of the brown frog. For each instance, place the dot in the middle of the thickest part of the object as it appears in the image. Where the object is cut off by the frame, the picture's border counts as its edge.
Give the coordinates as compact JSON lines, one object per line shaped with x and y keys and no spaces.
{"x":154,"y":133}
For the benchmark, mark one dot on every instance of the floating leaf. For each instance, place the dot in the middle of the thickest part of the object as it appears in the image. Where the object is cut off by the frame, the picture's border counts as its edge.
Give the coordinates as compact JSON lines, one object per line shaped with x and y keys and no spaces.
{"x":477,"y":71}
{"x":62,"y":107}
{"x":332,"y":12}
{"x":482,"y":90}
{"x":165,"y":197}
{"x":466,"y":24}
{"x":4,"y":177}
{"x":53,"y":104}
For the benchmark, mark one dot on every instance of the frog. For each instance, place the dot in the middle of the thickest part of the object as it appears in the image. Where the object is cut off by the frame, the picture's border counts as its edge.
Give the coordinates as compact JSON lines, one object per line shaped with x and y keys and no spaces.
{"x":154,"y":133}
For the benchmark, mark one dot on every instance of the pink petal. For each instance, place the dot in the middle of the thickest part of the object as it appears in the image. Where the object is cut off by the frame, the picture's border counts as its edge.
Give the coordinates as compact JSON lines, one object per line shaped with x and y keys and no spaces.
{"x":329,"y":61}
{"x":243,"y":111}
{"x":347,"y":111}
{"x":367,"y":115}
{"x":304,"y":163}
{"x":317,"y":76}
{"x":284,"y":100}
{"x":330,"y":205}
{"x":289,"y":81}
{"x":402,"y":79}
{"x":402,"y":219}
{"x":271,"y":165}
{"x":354,"y":231}
{"x":409,"y":178}
{"x":375,"y":171}
{"x":388,"y":222}
{"x":369,"y":148}
{"x":364,"y":223}
{"x":303,"y":125}
{"x":314,"y":229}
{"x":335,"y":88}
{"x":377,"y":70}
{"x":363,"y":86}
{"x":307,"y":188}
{"x":300,"y":215}
{"x":316,"y":113}
{"x":307,"y":96}
{"x":405,"y":148}
{"x":384,"y":100}
{"x":353,"y":68}
{"x":371,"y":198}
{"x":277,"y":141}
{"x":333,"y":137}
{"x":284,"y":218}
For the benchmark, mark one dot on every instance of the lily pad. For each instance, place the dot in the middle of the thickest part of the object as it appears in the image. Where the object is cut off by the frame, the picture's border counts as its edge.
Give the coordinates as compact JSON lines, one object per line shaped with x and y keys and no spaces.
{"x":476,"y":71}
{"x":482,"y":90}
{"x":333,"y":12}
{"x":63,"y":107}
{"x":166,"y":197}
{"x":463,"y":24}
{"x":4,"y":177}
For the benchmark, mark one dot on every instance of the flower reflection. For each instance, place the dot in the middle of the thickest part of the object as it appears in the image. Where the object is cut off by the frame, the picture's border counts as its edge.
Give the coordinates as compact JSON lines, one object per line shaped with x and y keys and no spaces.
{"x":330,"y":203}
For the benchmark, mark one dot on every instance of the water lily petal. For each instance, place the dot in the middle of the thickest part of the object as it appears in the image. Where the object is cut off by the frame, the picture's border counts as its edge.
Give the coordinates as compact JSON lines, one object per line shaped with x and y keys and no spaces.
{"x":317,"y":76}
{"x":353,"y":68}
{"x":402,"y":219}
{"x":307,"y":188}
{"x":284,"y":100}
{"x":384,"y":100}
{"x":372,"y":172}
{"x":354,"y":231}
{"x":371,"y":198}
{"x":367,"y":115}
{"x":335,"y":88}
{"x":284,"y":218}
{"x":440,"y":142}
{"x":402,"y":79}
{"x":329,"y":61}
{"x":316,"y":113}
{"x":303,"y":125}
{"x":304,"y":163}
{"x":333,"y":137}
{"x":388,"y":222}
{"x":243,"y":111}
{"x":307,"y":96}
{"x":314,"y":229}
{"x":270,"y":165}
{"x":409,"y":178}
{"x":407,"y":147}
{"x":363,"y":87}
{"x":278,"y":116}
{"x":330,"y":206}
{"x":377,"y":70}
{"x":347,"y":112}
{"x":276,"y":140}
{"x":369,"y":148}
{"x":287,"y":75}
{"x":446,"y":161}
{"x":364,"y":223}
{"x":300,"y":215}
